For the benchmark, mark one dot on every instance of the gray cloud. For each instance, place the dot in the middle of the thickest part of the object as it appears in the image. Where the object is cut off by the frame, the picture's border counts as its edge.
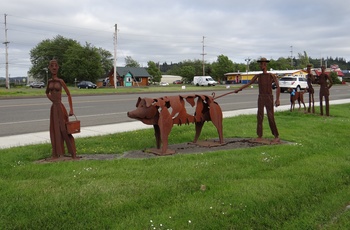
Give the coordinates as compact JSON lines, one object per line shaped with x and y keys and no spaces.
{"x":172,"y":31}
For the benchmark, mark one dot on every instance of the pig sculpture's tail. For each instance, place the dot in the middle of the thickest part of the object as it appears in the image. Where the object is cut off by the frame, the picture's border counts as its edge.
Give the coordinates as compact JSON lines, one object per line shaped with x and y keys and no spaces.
{"x":213,"y":94}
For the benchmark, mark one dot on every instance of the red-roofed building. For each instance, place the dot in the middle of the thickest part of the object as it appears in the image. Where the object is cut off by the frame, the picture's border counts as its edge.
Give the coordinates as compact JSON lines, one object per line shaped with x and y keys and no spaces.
{"x":329,"y":70}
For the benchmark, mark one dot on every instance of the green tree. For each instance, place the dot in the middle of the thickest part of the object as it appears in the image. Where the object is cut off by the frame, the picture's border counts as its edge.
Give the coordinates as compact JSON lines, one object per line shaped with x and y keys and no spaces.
{"x":187,"y":73}
{"x":303,"y":60}
{"x":75,"y":61}
{"x":222,"y":65}
{"x":334,"y":77}
{"x":46,"y":50}
{"x":82,"y":63}
{"x":106,"y":59}
{"x":129,"y":62}
{"x":154,"y":71}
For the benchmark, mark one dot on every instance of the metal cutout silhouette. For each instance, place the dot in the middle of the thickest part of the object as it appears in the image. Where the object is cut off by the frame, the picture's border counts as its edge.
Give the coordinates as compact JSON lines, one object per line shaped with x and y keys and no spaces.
{"x":326,"y":83}
{"x":265,"y":100}
{"x":58,"y":114}
{"x":296,"y":96}
{"x":310,"y":80}
{"x":164,"y":112}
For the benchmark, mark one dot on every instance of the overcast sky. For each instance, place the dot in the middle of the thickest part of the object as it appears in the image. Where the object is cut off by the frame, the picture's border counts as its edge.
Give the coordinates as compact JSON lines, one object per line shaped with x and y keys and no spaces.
{"x":172,"y":31}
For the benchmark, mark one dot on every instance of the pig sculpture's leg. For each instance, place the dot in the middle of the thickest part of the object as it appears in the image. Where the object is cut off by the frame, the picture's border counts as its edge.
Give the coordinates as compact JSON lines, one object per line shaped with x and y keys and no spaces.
{"x":157,"y":135}
{"x":165,"y":123}
{"x":199,"y":126}
{"x":216,"y":118}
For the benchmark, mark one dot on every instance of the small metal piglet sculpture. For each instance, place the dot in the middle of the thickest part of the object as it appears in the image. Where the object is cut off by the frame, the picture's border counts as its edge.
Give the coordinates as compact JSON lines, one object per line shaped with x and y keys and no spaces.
{"x":166,"y":111}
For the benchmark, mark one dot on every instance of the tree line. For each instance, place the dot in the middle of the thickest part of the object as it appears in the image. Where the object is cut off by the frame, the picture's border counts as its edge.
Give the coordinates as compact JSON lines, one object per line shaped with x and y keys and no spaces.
{"x":86,"y":62}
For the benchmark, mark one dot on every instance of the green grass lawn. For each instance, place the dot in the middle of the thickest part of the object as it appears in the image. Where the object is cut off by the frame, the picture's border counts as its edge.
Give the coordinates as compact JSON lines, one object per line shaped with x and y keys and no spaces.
{"x":302,"y":185}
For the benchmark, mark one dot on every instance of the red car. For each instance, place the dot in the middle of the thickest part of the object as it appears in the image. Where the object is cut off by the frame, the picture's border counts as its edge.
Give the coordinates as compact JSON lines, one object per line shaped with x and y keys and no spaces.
{"x":177,"y":82}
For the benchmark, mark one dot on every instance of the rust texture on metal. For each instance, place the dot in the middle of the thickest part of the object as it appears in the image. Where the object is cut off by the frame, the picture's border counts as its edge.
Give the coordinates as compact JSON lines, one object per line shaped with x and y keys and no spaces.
{"x":58,"y":115}
{"x":265,"y":100}
{"x":164,"y":112}
{"x":326,"y":83}
{"x":310,"y":80}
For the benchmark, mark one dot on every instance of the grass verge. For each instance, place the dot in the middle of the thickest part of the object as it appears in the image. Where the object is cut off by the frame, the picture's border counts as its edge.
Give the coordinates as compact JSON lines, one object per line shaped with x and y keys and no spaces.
{"x":303,"y":185}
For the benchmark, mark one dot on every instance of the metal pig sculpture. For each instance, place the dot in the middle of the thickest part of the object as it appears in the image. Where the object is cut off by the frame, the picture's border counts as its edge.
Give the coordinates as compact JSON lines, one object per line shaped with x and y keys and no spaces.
{"x":166,"y":111}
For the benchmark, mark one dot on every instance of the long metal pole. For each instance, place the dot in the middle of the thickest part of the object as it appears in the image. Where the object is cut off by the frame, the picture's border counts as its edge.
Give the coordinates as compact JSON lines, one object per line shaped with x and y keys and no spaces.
{"x":203,"y":64}
{"x":7,"y":56}
{"x":115,"y":57}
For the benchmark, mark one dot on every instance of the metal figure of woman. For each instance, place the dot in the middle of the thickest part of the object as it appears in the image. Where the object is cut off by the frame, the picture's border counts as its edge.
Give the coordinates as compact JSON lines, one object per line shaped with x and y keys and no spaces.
{"x":59,"y":115}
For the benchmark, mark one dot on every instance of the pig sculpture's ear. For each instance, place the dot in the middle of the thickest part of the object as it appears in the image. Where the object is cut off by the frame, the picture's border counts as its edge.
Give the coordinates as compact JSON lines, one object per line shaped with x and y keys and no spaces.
{"x":159,"y":103}
{"x":138,"y":102}
{"x":149,"y":102}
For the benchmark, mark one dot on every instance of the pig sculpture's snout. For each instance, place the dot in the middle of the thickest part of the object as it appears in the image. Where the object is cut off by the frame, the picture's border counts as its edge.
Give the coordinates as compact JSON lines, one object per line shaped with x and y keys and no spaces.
{"x":131,"y":114}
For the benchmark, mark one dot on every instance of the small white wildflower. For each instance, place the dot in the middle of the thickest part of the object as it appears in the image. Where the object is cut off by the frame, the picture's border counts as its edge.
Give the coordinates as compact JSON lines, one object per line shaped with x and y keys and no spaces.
{"x":151,"y":221}
{"x":211,"y":207}
{"x":160,"y":225}
{"x":189,"y":221}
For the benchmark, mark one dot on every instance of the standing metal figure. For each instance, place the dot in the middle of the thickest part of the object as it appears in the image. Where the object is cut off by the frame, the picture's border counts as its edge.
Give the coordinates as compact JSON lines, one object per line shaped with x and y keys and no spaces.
{"x":326,"y":83}
{"x":265,"y":100}
{"x":310,"y":80}
{"x":58,"y":114}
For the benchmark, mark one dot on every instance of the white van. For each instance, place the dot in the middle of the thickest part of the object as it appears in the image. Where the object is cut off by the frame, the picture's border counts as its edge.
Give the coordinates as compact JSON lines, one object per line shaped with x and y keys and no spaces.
{"x":204,"y":80}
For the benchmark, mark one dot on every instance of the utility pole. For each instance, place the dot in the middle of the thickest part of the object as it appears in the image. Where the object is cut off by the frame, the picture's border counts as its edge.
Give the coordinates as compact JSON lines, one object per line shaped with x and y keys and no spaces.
{"x":115,"y":57}
{"x":6,"y":56}
{"x":248,"y":61}
{"x":247,"y":69}
{"x":203,"y":56}
{"x":291,"y":55}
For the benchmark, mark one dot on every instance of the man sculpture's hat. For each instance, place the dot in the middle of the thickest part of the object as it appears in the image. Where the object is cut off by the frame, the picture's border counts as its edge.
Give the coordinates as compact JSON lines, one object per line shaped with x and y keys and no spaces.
{"x":263,"y":60}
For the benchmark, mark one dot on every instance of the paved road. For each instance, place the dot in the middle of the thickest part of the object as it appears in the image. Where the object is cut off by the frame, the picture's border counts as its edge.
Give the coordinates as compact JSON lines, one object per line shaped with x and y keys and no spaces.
{"x":21,"y":116}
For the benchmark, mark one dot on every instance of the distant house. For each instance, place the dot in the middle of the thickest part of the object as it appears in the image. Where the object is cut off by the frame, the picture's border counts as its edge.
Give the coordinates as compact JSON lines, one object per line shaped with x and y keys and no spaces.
{"x":129,"y":76}
{"x":328,"y":71}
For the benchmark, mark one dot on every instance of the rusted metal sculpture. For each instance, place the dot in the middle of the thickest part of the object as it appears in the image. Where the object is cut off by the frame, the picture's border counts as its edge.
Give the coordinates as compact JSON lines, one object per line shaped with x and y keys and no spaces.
{"x":326,"y":83}
{"x":58,"y":115}
{"x":310,"y":79}
{"x":265,"y":100}
{"x":296,"y":96}
{"x":164,"y":112}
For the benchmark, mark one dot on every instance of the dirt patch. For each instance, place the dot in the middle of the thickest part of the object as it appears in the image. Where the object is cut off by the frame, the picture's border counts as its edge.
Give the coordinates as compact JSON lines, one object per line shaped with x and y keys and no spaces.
{"x":182,"y":148}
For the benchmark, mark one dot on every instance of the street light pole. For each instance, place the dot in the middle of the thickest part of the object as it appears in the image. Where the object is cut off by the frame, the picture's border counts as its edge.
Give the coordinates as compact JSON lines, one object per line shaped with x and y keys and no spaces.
{"x":47,"y":75}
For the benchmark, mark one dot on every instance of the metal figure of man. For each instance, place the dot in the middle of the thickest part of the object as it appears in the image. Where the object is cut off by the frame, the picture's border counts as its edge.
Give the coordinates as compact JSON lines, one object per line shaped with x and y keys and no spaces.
{"x":310,"y":80}
{"x":326,"y":83}
{"x":265,"y":100}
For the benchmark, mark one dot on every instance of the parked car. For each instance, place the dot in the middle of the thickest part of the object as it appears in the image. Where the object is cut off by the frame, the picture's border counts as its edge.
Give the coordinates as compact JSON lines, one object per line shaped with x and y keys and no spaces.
{"x":294,"y":82}
{"x":37,"y":85}
{"x":163,"y":83}
{"x":86,"y":85}
{"x":177,"y":82}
